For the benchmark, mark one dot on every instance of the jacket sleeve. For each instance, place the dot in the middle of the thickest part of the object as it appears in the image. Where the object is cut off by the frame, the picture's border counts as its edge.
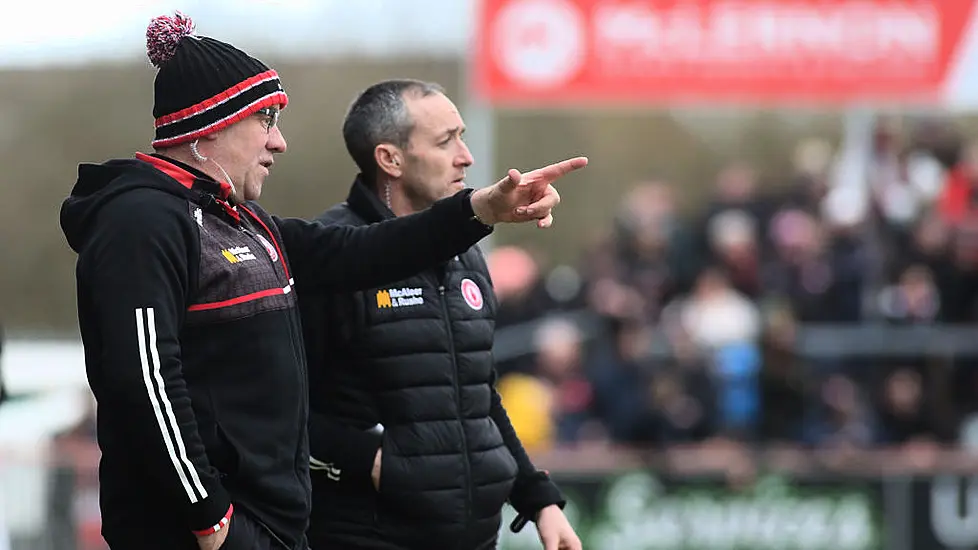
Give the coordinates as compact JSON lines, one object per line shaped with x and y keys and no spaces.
{"x":136,"y":280}
{"x":345,"y":258}
{"x":334,"y":445}
{"x":533,"y":490}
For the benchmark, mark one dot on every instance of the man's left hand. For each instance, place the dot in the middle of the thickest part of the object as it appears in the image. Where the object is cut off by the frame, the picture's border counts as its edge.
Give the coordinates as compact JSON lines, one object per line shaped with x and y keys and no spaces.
{"x":524,"y":197}
{"x":555,"y":531}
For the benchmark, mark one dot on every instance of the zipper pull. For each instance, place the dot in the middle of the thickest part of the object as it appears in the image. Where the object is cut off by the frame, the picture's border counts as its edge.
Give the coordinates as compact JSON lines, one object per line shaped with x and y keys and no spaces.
{"x":441,"y":290}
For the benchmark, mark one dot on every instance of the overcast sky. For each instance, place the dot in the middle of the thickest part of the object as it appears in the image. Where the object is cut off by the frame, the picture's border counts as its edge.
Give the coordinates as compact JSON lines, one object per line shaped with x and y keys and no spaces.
{"x":44,"y":32}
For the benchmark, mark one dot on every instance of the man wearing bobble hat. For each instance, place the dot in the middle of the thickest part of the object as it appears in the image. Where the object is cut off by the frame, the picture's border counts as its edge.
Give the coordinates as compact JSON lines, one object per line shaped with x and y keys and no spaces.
{"x":192,"y":337}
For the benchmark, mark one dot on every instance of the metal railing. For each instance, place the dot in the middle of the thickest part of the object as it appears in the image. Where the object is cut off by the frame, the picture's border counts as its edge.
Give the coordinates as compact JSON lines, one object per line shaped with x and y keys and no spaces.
{"x":826,"y":341}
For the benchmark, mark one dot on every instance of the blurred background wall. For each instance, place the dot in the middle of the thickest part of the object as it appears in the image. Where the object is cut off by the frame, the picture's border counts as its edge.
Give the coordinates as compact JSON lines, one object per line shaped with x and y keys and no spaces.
{"x":57,"y":117}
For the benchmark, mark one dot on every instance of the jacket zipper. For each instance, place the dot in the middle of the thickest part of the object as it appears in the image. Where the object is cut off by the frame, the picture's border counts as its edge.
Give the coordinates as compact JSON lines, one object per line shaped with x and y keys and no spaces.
{"x":458,"y":406}
{"x":292,"y":332}
{"x":254,"y":238}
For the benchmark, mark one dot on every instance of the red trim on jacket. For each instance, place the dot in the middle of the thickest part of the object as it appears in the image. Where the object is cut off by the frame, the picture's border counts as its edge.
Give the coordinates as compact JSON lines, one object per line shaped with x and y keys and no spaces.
{"x":182,"y":176}
{"x":217,"y":526}
{"x":241,"y":299}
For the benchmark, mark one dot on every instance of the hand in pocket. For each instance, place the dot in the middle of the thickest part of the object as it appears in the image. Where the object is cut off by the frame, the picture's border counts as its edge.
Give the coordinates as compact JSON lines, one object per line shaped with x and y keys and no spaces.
{"x":375,"y":471}
{"x":216,"y":539}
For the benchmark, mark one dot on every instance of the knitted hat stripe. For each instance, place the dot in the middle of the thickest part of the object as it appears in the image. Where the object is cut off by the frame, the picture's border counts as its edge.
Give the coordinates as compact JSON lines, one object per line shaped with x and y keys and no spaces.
{"x":276,"y":98}
{"x":210,"y":116}
{"x":218,"y":99}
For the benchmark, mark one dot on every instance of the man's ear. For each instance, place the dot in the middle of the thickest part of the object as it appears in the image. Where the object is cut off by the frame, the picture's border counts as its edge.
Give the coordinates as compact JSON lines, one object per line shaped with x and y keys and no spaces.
{"x":389,"y":159}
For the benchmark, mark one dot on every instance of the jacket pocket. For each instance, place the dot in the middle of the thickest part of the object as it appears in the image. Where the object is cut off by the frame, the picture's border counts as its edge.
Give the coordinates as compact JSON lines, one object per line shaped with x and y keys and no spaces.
{"x":226,"y":457}
{"x":414,"y":487}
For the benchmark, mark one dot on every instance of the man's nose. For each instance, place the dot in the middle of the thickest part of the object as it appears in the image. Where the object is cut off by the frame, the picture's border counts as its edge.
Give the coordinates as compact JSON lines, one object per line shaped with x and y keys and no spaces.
{"x":276,"y":141}
{"x":465,"y":158}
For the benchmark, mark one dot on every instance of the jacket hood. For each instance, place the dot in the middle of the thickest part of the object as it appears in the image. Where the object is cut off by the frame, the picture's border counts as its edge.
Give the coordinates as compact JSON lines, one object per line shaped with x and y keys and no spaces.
{"x":98,"y":184}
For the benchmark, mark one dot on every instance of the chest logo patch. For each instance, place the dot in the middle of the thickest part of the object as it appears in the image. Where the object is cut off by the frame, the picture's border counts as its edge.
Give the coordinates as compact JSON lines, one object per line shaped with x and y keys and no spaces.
{"x":472,"y":294}
{"x":399,"y":297}
{"x":237,"y":254}
{"x":272,"y":253}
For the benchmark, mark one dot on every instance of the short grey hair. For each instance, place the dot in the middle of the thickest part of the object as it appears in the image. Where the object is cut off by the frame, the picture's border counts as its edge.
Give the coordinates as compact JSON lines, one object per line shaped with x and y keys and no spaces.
{"x":380,"y":115}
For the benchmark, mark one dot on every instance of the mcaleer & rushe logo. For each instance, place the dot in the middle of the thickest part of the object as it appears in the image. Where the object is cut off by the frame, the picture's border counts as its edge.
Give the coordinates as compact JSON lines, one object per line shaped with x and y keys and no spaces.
{"x":237,"y":254}
{"x":399,"y":297}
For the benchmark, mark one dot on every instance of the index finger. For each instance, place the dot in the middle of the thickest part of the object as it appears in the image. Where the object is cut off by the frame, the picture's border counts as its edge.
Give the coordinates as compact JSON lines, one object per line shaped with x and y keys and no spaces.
{"x":562,"y":168}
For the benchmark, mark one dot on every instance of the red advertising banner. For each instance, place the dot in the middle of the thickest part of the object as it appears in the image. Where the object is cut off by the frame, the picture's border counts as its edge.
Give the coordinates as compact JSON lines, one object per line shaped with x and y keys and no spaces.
{"x":546,"y":52}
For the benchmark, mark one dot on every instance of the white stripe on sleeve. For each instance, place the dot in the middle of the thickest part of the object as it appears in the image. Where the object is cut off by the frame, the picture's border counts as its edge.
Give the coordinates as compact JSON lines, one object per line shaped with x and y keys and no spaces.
{"x":150,"y":360}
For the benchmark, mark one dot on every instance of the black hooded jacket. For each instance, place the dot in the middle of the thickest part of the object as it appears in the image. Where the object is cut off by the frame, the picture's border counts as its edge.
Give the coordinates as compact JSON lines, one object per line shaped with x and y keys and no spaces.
{"x":193,"y":341}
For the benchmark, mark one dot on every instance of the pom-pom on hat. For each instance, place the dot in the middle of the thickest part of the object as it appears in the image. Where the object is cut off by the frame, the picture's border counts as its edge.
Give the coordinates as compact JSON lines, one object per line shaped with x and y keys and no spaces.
{"x":203,"y":84}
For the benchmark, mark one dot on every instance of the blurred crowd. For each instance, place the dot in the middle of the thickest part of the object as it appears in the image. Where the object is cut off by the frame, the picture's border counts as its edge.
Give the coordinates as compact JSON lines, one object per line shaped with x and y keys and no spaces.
{"x":885,"y":237}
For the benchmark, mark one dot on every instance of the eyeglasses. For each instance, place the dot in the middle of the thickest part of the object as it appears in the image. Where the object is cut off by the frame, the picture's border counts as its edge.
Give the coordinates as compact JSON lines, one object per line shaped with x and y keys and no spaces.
{"x":270,"y":117}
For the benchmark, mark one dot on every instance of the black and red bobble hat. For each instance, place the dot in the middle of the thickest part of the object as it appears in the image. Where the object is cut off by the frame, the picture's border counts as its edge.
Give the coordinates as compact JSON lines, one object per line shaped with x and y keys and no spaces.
{"x":203,"y":84}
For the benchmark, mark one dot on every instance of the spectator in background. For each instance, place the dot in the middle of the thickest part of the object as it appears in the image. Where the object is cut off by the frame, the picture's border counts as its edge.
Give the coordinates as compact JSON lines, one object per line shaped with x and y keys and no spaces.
{"x":913,"y":299}
{"x":620,"y":371}
{"x":901,"y":182}
{"x":716,"y":315}
{"x":554,"y":405}
{"x":929,"y":247}
{"x":844,"y":238}
{"x":809,"y":183}
{"x":959,"y":197}
{"x":683,"y":398}
{"x":961,"y":290}
{"x":785,"y":395}
{"x":821,"y":282}
{"x":529,"y":402}
{"x":904,"y":413}
{"x":653,"y":256}
{"x":936,"y":136}
{"x":516,"y":281}
{"x":519,"y":288}
{"x":842,"y":417}
{"x":726,"y":326}
{"x":735,"y":247}
{"x":735,"y":189}
{"x":560,"y":364}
